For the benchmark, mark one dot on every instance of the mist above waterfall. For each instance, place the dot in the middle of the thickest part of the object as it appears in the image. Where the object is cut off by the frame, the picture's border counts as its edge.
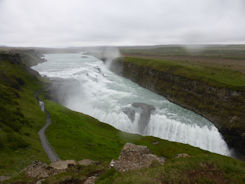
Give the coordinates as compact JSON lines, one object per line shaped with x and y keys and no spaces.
{"x":106,"y":54}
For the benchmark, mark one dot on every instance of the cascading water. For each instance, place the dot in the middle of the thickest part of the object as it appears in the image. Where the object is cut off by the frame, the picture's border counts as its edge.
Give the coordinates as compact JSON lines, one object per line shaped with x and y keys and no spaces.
{"x":89,"y":87}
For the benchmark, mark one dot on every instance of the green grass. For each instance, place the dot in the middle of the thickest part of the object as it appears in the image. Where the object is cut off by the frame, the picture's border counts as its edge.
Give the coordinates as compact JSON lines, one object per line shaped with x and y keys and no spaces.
{"x":235,"y":52}
{"x":20,"y":118}
{"x":198,"y":169}
{"x":77,"y":136}
{"x":212,"y":75}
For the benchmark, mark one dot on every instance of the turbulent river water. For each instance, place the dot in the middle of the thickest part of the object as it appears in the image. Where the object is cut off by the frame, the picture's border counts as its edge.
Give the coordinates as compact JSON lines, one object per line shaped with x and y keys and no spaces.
{"x":91,"y":88}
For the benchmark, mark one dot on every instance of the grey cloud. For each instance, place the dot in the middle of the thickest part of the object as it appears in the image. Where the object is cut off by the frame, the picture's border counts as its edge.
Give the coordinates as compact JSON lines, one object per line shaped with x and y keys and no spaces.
{"x":120,"y":22}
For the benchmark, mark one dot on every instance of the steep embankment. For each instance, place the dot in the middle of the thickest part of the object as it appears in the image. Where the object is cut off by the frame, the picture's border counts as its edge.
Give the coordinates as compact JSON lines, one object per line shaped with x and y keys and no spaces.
{"x":215,"y":93}
{"x":20,"y":115}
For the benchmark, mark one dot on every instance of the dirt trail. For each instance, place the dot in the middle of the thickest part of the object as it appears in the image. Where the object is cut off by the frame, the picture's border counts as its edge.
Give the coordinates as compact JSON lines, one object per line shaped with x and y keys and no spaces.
{"x":52,"y":155}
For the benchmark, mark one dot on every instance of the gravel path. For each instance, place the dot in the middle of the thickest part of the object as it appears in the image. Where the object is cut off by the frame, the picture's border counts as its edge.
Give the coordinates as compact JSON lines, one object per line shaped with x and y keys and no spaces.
{"x":52,"y":155}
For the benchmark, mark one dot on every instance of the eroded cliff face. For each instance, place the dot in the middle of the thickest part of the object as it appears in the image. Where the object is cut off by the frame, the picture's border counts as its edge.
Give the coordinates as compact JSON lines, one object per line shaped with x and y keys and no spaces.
{"x":224,"y":107}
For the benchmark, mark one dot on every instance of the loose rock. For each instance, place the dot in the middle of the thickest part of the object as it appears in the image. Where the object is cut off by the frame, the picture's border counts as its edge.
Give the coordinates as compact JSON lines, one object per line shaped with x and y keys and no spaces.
{"x":39,"y":170}
{"x":62,"y":164}
{"x":85,"y":162}
{"x":134,"y":157}
{"x":3,"y":178}
{"x":182,"y":155}
{"x":91,"y":180}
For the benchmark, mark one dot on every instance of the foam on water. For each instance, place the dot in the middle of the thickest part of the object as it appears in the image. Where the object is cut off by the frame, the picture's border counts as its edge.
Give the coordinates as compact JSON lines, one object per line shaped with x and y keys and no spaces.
{"x":103,"y":95}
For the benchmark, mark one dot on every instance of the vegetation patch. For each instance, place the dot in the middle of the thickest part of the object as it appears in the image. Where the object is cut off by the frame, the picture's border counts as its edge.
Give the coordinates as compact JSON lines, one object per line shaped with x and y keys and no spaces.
{"x":20,"y":117}
{"x":220,"y":77}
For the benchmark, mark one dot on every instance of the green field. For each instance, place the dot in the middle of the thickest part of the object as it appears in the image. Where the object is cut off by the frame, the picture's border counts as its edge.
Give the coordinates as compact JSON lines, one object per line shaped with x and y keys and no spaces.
{"x":235,"y":52}
{"x":216,"y":76}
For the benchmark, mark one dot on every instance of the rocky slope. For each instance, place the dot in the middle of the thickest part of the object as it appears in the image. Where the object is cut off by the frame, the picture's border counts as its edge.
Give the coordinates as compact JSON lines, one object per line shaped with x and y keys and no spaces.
{"x":223,"y":106}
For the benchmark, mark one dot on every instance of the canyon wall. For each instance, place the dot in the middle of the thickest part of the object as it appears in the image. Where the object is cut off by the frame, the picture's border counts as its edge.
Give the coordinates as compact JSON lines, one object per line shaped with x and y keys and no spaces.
{"x":222,"y":106}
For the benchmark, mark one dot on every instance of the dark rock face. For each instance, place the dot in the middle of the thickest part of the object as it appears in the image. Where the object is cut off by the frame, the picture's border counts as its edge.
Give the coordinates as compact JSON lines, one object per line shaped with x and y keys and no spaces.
{"x":222,"y":106}
{"x":145,"y":114}
{"x":39,"y":170}
{"x":130,"y":113}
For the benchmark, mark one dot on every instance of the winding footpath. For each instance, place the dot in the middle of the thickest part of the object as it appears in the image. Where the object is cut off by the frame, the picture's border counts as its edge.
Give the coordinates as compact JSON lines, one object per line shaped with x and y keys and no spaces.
{"x":52,"y":155}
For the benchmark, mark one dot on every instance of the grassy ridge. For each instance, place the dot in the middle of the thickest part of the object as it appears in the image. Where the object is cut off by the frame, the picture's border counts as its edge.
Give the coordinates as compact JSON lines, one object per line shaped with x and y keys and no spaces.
{"x":20,"y":117}
{"x":212,"y":75}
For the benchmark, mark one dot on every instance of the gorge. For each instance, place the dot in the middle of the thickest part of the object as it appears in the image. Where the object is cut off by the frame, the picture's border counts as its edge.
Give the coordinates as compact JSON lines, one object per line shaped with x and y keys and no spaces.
{"x":85,"y":84}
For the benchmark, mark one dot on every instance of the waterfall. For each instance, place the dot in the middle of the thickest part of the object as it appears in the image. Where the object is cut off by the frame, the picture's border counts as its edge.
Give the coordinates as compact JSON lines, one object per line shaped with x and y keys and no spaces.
{"x":86,"y":85}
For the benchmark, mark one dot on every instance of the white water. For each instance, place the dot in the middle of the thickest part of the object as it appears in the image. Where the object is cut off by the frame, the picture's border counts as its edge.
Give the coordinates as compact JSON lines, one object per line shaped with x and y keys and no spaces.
{"x":102,"y":94}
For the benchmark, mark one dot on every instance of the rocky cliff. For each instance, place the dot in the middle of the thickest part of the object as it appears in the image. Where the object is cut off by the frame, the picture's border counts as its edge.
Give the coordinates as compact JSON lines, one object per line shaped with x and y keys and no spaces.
{"x":223,"y":106}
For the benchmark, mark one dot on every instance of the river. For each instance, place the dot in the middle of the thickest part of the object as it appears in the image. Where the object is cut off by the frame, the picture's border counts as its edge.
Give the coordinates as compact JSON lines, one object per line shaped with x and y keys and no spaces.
{"x":91,"y":88}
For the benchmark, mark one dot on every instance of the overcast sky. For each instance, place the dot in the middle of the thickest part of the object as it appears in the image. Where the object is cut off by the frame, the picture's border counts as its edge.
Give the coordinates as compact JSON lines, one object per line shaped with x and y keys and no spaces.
{"x":60,"y":23}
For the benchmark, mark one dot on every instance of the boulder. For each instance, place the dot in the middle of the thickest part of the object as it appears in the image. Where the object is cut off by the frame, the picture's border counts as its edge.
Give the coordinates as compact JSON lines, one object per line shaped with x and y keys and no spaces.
{"x":85,"y":162}
{"x":182,"y":155}
{"x":62,"y":164}
{"x":39,"y":170}
{"x":134,"y":157}
{"x":3,"y":178}
{"x":91,"y":180}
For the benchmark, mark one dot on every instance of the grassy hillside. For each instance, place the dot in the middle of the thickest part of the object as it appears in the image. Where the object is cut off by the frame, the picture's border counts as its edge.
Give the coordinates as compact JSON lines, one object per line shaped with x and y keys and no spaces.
{"x":20,"y":116}
{"x":77,"y":136}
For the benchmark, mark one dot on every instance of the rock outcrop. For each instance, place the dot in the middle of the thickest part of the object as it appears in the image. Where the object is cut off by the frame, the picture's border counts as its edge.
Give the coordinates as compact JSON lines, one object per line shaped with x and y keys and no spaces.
{"x":63,"y":164}
{"x":40,"y":170}
{"x":145,"y":114}
{"x":85,"y":162}
{"x":134,"y":157}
